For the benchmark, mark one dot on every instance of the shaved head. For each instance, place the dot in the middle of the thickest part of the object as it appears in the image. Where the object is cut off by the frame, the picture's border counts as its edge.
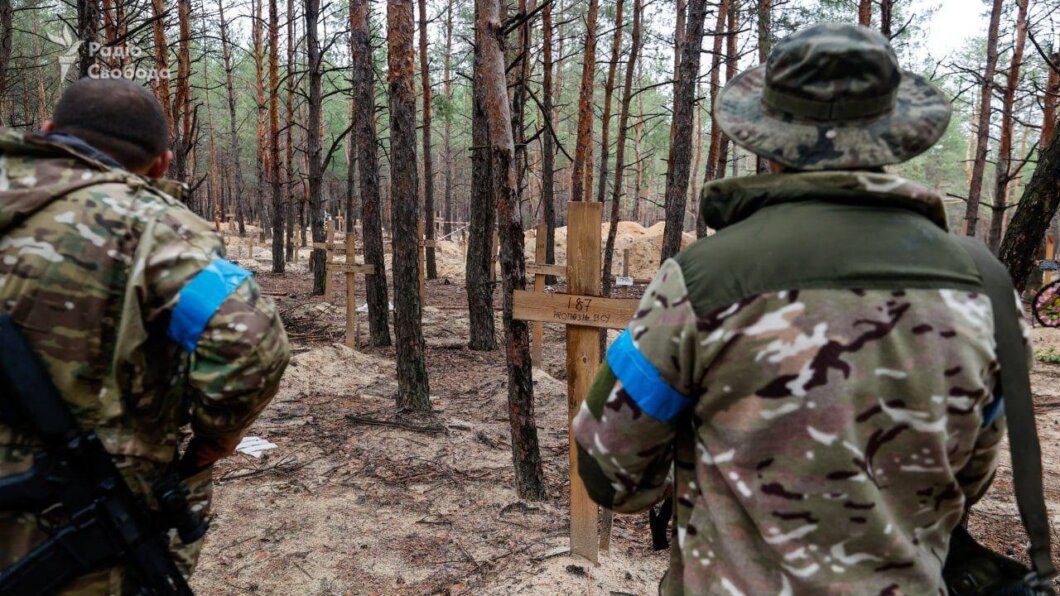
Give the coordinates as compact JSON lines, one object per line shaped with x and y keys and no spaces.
{"x":117,"y":116}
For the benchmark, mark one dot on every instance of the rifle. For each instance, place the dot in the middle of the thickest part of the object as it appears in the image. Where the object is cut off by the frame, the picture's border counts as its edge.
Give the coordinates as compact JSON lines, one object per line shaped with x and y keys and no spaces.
{"x":108,"y":524}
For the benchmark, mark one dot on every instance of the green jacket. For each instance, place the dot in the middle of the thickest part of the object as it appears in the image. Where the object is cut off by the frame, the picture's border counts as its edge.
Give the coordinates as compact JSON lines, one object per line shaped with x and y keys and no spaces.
{"x":813,"y":382}
{"x":126,"y":298}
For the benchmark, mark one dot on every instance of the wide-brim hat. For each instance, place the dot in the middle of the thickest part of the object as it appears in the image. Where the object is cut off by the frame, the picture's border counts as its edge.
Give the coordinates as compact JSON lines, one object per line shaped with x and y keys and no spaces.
{"x":831,"y":96}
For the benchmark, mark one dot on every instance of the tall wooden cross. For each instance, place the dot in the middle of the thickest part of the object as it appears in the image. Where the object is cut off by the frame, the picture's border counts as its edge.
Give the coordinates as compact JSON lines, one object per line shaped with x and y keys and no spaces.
{"x":584,"y":312}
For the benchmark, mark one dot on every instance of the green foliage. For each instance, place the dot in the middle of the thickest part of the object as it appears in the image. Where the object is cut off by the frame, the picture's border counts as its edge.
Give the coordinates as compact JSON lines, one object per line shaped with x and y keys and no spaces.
{"x":1048,"y":356}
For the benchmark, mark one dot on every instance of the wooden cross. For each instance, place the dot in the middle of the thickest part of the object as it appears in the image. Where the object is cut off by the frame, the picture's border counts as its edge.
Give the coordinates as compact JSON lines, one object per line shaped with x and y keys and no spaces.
{"x":424,"y":244}
{"x":584,"y":312}
{"x":350,"y":268}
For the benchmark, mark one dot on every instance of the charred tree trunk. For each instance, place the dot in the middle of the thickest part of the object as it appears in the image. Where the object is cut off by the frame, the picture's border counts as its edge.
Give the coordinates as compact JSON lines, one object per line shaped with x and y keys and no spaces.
{"x":428,"y":168}
{"x":885,"y":18}
{"x":314,"y":152}
{"x":605,"y":132}
{"x":548,"y":142}
{"x":412,"y":367}
{"x":971,"y":216}
{"x":1036,"y":210}
{"x":233,"y":141}
{"x":581,"y":166}
{"x":274,"y":140}
{"x":680,"y":159}
{"x":368,"y":172}
{"x":87,"y":32}
{"x":1004,"y":149}
{"x":526,"y":453}
{"x":289,"y":175}
{"x":481,"y":217}
{"x":620,"y":148}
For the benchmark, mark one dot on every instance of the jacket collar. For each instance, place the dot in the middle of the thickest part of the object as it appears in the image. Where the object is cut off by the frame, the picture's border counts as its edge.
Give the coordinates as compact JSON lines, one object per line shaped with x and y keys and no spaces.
{"x":728,"y":201}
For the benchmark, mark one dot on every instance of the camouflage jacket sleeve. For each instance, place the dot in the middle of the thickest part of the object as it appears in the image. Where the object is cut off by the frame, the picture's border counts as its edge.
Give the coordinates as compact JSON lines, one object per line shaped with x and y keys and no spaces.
{"x":215,"y":311}
{"x":625,"y":430}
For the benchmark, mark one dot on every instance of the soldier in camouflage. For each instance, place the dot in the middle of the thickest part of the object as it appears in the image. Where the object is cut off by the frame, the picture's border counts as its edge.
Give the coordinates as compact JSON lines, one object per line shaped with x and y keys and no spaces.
{"x":812,"y":383}
{"x":126,"y":298}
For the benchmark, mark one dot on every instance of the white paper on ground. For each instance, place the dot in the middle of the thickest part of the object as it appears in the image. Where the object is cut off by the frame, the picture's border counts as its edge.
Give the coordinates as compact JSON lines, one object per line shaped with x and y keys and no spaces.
{"x":254,"y":446}
{"x":621,"y":281}
{"x":364,"y":307}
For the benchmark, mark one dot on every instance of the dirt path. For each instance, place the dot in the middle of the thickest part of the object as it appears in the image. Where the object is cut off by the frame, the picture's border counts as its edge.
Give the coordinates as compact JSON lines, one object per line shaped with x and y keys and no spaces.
{"x":347,"y":506}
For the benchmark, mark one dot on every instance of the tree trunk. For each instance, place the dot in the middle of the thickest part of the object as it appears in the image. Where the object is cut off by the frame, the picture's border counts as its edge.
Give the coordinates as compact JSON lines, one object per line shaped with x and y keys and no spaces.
{"x":865,"y":13}
{"x":158,"y":30}
{"x":638,"y":136}
{"x":448,"y":120}
{"x":233,"y":135}
{"x":732,"y":59}
{"x":714,"y":151}
{"x":971,"y":216}
{"x":314,"y":152}
{"x":428,"y":168}
{"x":482,"y":215}
{"x":1004,"y":150}
{"x":680,"y":159}
{"x":87,"y":32}
{"x":620,"y":148}
{"x":368,"y":172}
{"x":526,"y":454}
{"x":548,"y":142}
{"x":5,"y":42}
{"x":1049,"y":102}
{"x":609,"y":90}
{"x":412,"y":367}
{"x":1034,"y":213}
{"x":765,"y":44}
{"x":680,"y":26}
{"x":585,"y":107}
{"x":289,"y":176}
{"x":257,"y":34}
{"x":274,"y":140}
{"x":885,"y":18}
{"x":183,"y":114}
{"x":518,"y":85}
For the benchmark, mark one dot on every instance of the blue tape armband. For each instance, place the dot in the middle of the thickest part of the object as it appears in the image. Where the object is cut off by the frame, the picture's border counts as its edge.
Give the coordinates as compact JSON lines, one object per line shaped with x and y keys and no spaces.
{"x":993,"y":410}
{"x":200,"y":299}
{"x":642,"y":381}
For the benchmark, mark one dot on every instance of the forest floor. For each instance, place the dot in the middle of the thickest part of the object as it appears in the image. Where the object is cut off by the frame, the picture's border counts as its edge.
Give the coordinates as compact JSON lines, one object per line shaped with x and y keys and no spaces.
{"x":346,"y":505}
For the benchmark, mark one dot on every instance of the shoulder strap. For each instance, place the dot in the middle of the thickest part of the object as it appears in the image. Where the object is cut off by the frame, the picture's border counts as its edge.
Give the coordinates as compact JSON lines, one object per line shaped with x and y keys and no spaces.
{"x":1014,"y":382}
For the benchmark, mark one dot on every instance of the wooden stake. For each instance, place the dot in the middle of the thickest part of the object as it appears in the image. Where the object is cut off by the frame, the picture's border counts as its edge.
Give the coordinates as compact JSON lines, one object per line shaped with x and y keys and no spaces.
{"x":329,"y":229}
{"x":625,"y":262}
{"x":421,"y":265}
{"x":1050,"y":252}
{"x":537,"y":327}
{"x":583,"y":360}
{"x":351,"y":287}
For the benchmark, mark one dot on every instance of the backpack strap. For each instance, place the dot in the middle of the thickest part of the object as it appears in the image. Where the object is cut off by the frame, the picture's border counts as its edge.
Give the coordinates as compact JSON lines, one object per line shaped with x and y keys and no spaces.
{"x":1015,"y":388}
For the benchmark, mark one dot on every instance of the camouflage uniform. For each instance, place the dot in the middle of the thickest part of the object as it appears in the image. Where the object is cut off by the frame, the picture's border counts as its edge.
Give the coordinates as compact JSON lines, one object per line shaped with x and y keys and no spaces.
{"x":143,"y":327}
{"x":814,"y":383}
{"x":822,"y":395}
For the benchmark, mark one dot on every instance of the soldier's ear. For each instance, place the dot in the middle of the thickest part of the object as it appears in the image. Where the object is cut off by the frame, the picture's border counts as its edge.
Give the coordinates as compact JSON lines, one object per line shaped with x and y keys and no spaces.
{"x":160,"y":165}
{"x":47,"y":126}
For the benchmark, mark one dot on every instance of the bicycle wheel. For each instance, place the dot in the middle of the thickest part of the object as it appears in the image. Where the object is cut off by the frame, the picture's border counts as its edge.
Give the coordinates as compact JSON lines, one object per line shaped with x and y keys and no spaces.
{"x":1046,"y":305}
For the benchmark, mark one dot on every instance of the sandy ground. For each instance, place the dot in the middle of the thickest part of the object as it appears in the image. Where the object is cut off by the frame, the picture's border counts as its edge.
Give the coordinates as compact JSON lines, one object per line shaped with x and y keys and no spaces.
{"x":347,"y":506}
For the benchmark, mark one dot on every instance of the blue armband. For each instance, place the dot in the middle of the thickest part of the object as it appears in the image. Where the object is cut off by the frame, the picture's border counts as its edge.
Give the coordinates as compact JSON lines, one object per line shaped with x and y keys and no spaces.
{"x":199,"y":300}
{"x":642,"y":381}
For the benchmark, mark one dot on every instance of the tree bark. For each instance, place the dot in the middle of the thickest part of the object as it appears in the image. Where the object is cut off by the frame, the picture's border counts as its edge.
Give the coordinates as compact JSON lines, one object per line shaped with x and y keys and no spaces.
{"x":482,"y":214}
{"x":368,"y":172}
{"x":620,"y":148}
{"x":680,"y":158}
{"x":314,"y":151}
{"x":183,"y":113}
{"x":289,"y":175}
{"x":975,"y":188}
{"x":548,"y":142}
{"x":714,"y":150}
{"x":1004,"y":151}
{"x":1049,"y":102}
{"x":158,"y":30}
{"x":580,"y":167}
{"x":732,"y":59}
{"x":765,"y":44}
{"x":1034,"y":213}
{"x":428,"y":168}
{"x":865,"y":13}
{"x":526,"y":454}
{"x":233,"y":134}
{"x":5,"y":42}
{"x":274,"y":139}
{"x":605,"y":119}
{"x":261,"y":164}
{"x":885,"y":18}
{"x":413,"y":389}
{"x":87,"y":32}
{"x":447,"y":89}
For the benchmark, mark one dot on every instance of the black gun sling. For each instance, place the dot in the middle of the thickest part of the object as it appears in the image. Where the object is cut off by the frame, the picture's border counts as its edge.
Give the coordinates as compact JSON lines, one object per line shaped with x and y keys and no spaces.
{"x":1014,"y":385}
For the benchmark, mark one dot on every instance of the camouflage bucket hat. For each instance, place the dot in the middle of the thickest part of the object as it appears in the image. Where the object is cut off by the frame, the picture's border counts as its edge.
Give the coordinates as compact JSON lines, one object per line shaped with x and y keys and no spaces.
{"x":832,"y":96}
